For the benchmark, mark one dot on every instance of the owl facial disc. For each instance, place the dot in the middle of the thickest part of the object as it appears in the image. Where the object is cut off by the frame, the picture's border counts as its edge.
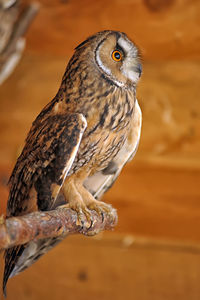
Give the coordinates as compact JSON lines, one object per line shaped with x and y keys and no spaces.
{"x":118,"y":59}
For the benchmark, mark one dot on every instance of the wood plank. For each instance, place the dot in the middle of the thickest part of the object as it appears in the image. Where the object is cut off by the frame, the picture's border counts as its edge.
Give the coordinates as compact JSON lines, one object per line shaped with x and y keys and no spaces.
{"x":110,"y":268}
{"x":157,"y":195}
{"x":162,"y":29}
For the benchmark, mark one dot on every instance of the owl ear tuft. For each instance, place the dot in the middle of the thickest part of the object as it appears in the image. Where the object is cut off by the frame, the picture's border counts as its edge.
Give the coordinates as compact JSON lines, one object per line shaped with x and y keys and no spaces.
{"x":89,"y":39}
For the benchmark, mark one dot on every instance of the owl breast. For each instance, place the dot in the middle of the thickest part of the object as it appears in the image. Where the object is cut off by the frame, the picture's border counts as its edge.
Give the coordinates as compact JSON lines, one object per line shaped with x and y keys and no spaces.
{"x":105,"y":135}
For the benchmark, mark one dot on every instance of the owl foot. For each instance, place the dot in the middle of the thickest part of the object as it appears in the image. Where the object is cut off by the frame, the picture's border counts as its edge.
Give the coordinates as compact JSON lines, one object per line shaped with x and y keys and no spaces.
{"x":91,"y":203}
{"x":80,"y":200}
{"x":100,"y":207}
{"x":83,"y":213}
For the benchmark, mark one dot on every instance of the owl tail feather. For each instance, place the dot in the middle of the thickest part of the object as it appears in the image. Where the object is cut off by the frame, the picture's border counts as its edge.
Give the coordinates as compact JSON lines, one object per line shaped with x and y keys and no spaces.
{"x":19,"y":258}
{"x":11,"y":257}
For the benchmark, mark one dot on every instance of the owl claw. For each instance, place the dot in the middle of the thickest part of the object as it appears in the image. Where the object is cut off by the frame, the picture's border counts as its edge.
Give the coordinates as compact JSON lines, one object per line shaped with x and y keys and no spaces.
{"x":81,"y":201}
{"x":83,"y":213}
{"x":100,"y":207}
{"x":83,"y":210}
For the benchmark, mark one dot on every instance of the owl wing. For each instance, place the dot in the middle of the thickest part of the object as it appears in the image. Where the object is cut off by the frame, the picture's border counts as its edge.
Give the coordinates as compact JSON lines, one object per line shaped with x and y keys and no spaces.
{"x":37,"y":178}
{"x":49,"y":152}
{"x":101,"y":181}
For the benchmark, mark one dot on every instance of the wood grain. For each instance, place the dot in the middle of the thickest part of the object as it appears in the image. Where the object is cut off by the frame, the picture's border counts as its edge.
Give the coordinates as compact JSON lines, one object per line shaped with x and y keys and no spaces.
{"x":163,"y":31}
{"x":157,"y":195}
{"x":111,"y":268}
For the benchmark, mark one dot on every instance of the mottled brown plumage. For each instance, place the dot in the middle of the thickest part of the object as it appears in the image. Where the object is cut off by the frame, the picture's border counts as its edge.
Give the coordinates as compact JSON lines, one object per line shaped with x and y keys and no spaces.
{"x":80,"y":141}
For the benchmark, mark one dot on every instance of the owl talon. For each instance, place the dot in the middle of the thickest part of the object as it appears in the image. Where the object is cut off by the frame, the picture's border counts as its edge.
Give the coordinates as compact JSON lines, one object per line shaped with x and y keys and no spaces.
{"x":87,"y":214}
{"x":83,"y":215}
{"x":100,"y":207}
{"x":102,"y":215}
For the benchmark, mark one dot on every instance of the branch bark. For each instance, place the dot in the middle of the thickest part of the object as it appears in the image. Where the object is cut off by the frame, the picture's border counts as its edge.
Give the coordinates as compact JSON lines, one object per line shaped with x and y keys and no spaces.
{"x":61,"y":221}
{"x":15,"y":21}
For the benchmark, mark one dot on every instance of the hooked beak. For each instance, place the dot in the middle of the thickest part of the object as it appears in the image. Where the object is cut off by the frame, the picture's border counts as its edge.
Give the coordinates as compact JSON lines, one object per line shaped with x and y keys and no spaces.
{"x":132,"y":70}
{"x":139,"y":69}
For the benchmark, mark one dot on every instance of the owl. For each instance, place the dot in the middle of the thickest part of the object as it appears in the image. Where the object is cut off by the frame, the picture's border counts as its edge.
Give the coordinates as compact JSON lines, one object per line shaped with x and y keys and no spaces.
{"x":80,"y":141}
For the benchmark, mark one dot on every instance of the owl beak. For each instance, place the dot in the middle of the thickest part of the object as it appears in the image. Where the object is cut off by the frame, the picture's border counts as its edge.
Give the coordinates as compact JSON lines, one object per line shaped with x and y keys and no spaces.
{"x":139,"y":69}
{"x":133,"y":70}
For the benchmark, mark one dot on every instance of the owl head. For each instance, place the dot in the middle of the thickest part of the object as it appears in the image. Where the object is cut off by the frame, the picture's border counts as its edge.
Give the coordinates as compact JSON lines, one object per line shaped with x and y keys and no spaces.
{"x":114,"y":56}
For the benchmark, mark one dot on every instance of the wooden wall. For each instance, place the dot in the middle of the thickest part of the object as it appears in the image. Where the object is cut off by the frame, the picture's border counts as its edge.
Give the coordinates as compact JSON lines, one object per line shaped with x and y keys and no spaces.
{"x":157,"y":195}
{"x":164,"y":29}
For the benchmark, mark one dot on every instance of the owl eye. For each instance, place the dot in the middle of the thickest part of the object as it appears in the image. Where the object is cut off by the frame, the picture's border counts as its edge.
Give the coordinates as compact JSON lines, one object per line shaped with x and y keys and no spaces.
{"x":117,"y":55}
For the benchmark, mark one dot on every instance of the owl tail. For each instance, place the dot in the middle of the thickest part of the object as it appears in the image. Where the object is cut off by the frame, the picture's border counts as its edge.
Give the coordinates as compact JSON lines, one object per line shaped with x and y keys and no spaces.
{"x":19,"y":258}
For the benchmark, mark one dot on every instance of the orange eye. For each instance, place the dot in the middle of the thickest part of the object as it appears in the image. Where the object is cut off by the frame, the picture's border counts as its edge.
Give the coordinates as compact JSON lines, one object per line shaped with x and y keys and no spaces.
{"x":116,"y":55}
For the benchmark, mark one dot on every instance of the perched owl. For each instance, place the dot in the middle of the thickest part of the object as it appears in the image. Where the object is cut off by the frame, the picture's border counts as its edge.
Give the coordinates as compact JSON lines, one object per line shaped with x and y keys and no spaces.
{"x":80,"y":141}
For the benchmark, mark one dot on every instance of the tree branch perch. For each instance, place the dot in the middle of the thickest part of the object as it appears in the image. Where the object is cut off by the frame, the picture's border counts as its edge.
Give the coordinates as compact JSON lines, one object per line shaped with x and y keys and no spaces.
{"x":61,"y":221}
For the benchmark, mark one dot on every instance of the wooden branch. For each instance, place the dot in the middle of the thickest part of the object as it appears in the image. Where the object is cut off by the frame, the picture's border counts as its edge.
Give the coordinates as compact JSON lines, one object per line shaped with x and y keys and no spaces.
{"x":12,"y":42}
{"x":21,"y":26}
{"x":61,"y":221}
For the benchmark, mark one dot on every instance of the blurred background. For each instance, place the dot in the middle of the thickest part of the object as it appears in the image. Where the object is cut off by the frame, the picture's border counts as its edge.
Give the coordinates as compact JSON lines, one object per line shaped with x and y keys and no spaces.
{"x":154,"y":252}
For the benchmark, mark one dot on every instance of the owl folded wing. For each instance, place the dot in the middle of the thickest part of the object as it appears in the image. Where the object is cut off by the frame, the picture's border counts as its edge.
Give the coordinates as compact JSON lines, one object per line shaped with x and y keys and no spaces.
{"x":51,"y":147}
{"x":50,"y":150}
